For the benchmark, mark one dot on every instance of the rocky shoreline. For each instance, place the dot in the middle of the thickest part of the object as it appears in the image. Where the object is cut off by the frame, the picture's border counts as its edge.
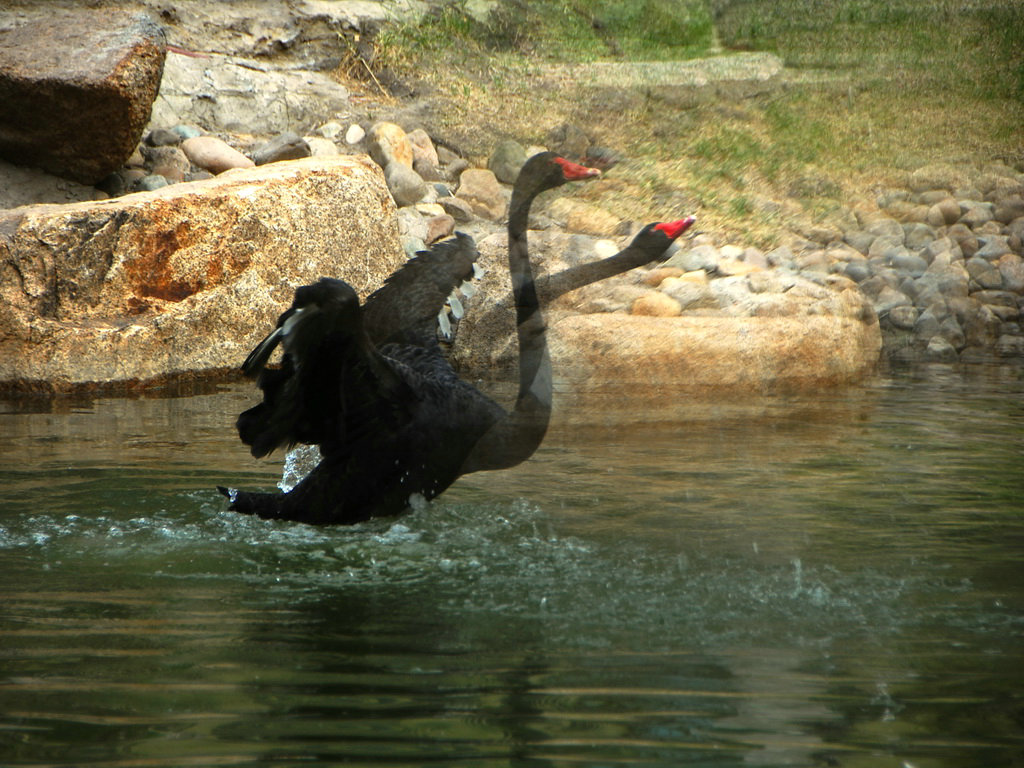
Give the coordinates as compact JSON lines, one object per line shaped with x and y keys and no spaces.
{"x":932,"y":272}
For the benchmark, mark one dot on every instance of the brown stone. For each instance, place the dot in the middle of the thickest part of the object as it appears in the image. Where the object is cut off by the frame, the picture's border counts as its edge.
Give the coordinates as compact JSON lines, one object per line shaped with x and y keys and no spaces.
{"x":77,"y":90}
{"x":214,"y":155}
{"x":656,"y":304}
{"x":388,"y":143}
{"x":655,"y":277}
{"x":183,"y":281}
{"x":480,"y":188}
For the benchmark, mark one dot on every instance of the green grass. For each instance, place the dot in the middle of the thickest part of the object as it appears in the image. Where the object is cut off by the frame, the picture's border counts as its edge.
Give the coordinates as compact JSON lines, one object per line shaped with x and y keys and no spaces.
{"x":876,"y":88}
{"x":567,"y":30}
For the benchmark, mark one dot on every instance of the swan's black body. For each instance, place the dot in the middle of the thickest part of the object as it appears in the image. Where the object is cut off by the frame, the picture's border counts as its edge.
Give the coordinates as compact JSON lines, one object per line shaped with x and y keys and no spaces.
{"x":370,"y":386}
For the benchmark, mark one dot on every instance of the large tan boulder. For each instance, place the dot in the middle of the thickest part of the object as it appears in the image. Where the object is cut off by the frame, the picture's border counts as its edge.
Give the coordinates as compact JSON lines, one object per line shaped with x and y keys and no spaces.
{"x":766,"y":333}
{"x":181,"y":282}
{"x":721,"y":354}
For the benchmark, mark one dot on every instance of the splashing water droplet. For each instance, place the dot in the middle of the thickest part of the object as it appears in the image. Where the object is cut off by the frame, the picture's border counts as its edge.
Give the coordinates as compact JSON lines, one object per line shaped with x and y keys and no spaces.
{"x":298,"y":463}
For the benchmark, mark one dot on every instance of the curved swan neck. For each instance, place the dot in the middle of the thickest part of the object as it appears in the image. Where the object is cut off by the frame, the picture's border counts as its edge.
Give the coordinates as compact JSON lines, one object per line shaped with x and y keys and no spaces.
{"x":530,"y":326}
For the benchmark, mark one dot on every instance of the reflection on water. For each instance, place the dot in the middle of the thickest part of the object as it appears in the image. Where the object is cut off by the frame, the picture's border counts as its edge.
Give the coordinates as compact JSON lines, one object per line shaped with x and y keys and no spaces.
{"x":832,"y":581}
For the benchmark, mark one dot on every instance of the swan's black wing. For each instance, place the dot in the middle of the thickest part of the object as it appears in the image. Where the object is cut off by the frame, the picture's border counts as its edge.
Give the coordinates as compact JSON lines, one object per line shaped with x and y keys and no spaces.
{"x":378,"y":471}
{"x":404,"y":310}
{"x":331,"y":387}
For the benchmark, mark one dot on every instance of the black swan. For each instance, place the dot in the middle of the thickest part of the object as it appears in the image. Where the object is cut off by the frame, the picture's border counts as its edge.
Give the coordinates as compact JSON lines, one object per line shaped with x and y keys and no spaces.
{"x":393,"y":421}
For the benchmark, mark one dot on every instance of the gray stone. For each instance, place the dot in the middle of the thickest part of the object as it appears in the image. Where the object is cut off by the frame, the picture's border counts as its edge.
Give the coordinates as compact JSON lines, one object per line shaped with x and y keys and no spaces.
{"x":939,"y":350}
{"x":872,"y":286}
{"x":917,"y":235}
{"x":427,"y":170}
{"x":927,"y":324}
{"x":285,"y":146}
{"x":570,"y":141}
{"x":700,"y":257}
{"x":950,"y":278}
{"x":976,"y":213}
{"x":1016,"y":228}
{"x":690,"y":295}
{"x":453,"y":171}
{"x":943,"y":212}
{"x":149,"y":182}
{"x":860,"y":239}
{"x":412,"y":224}
{"x":187,"y":131}
{"x":1011,"y":268}
{"x":1002,"y":303}
{"x":405,"y":185}
{"x":981,"y":326}
{"x":858,"y":271}
{"x":167,"y":160}
{"x":964,"y":238}
{"x":412,"y":245}
{"x":319,"y":146}
{"x":950,"y":330}
{"x":886,"y":247}
{"x":163,"y":137}
{"x":903,"y":317}
{"x":780,"y":257}
{"x":77,"y":89}
{"x":938,"y":246}
{"x":888,"y":298}
{"x":1008,"y":209}
{"x":984,"y":273}
{"x":458,"y":209}
{"x":907,"y":262}
{"x":883,"y":226}
{"x":1010,"y":346}
{"x":993,"y":247}
{"x":506,"y":160}
{"x":353,"y":135}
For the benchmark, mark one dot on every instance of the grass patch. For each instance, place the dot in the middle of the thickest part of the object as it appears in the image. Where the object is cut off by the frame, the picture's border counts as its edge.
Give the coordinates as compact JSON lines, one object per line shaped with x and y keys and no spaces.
{"x":566,"y":30}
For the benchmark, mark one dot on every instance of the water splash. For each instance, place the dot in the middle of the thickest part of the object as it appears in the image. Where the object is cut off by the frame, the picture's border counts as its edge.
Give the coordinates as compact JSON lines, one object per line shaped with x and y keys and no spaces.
{"x":298,"y":462}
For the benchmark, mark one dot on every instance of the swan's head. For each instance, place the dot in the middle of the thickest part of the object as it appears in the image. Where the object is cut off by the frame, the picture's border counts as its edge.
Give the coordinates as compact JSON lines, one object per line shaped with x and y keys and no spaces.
{"x":655,"y":239}
{"x":547,"y":170}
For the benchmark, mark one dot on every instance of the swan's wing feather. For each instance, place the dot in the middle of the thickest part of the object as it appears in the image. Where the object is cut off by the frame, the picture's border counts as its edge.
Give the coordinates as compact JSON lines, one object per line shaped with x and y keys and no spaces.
{"x":406,"y":307}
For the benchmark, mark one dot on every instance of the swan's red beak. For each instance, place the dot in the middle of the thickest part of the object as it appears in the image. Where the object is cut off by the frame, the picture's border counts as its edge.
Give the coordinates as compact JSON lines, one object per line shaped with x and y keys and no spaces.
{"x":575,"y":172}
{"x":674,"y":229}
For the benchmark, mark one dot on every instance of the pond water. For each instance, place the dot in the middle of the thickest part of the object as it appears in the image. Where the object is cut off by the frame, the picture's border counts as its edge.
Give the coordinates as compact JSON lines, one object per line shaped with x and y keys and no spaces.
{"x":826,"y":581}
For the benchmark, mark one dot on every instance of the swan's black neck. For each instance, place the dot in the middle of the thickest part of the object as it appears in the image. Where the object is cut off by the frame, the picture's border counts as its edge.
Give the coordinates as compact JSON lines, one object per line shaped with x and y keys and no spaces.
{"x":534,"y":365}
